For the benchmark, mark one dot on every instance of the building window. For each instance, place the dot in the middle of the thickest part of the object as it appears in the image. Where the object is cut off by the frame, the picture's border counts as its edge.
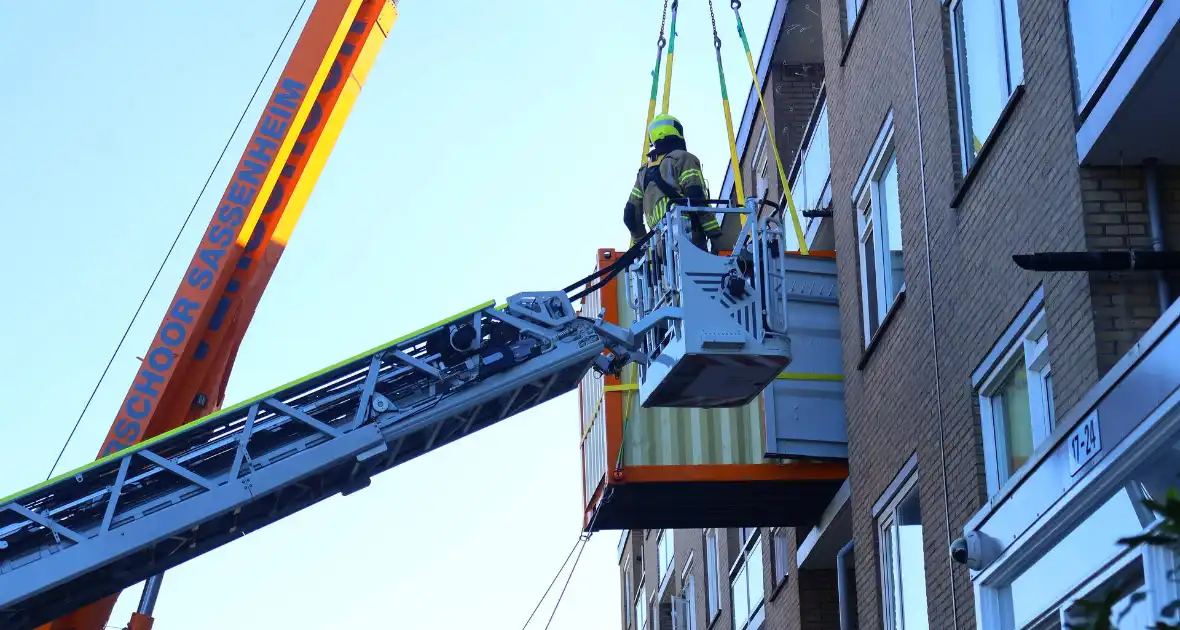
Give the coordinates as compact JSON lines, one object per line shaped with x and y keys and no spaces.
{"x":640,"y":608}
{"x":684,"y":607}
{"x":903,"y":561}
{"x":1100,"y":30}
{"x":1132,"y":610}
{"x":878,"y":205}
{"x":852,"y":10}
{"x":1016,"y":397}
{"x":761,"y":165}
{"x":1079,"y":557}
{"x":746,"y":581}
{"x":665,"y":555}
{"x":1074,"y":553}
{"x":846,"y":585}
{"x":816,"y":165}
{"x":988,"y":66}
{"x":810,"y":189}
{"x":712,"y":575}
{"x":628,"y":594}
{"x":781,"y":567}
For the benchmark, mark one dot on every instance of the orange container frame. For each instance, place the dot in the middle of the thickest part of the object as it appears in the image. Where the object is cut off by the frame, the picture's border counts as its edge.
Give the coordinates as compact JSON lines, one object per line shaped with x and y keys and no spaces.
{"x":618,"y":495}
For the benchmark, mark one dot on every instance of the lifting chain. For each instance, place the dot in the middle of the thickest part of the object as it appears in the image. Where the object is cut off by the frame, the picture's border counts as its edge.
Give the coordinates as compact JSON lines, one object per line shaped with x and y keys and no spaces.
{"x":713,"y":19}
{"x":663,"y":20}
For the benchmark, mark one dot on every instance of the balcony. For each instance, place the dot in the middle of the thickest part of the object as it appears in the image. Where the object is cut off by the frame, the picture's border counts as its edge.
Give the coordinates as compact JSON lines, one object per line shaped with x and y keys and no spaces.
{"x":1125,"y":65}
{"x":791,"y":72}
{"x":810,"y":178}
{"x":776,"y":461}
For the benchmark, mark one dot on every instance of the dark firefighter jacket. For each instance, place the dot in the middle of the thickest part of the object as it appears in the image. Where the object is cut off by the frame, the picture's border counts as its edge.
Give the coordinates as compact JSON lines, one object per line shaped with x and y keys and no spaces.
{"x":680,"y":172}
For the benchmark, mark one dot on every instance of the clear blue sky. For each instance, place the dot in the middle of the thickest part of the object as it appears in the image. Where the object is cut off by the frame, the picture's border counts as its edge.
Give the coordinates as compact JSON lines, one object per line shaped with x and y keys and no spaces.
{"x":489,"y":153}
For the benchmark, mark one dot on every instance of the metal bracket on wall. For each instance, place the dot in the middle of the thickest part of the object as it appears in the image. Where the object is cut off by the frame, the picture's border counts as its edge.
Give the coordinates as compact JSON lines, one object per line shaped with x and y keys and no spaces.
{"x":1124,"y":260}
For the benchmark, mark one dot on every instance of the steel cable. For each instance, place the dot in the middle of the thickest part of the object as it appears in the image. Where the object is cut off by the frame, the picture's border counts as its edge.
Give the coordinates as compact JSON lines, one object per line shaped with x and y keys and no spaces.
{"x":179,"y":233}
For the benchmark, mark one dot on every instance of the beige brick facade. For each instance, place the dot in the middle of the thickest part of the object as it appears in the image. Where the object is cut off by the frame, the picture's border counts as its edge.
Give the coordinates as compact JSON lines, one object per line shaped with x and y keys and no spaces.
{"x":909,"y":393}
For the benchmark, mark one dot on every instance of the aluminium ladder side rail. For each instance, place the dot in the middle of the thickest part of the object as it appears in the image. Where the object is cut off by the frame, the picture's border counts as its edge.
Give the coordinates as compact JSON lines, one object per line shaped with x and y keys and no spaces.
{"x":150,"y":507}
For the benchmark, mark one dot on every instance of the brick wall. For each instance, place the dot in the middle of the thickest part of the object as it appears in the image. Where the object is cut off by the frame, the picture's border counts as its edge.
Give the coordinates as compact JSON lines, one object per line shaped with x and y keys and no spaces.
{"x":806,"y":600}
{"x":818,"y":589}
{"x":632,"y":562}
{"x":1125,"y":303}
{"x":795,"y":90}
{"x":911,"y":396}
{"x":790,"y":94}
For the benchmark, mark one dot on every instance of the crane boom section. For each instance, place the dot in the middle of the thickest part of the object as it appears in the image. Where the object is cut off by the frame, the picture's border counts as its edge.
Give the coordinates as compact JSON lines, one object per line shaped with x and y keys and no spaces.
{"x":145,"y":509}
{"x":204,"y":293}
{"x":203,"y":388}
{"x":185,"y":371}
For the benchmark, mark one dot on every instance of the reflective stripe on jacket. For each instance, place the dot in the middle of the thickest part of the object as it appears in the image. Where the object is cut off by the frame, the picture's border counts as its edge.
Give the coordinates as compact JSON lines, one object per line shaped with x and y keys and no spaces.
{"x":680,"y":170}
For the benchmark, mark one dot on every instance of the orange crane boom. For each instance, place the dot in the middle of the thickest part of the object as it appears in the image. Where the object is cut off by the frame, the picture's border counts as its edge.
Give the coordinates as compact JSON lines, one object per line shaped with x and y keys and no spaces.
{"x":185,"y":370}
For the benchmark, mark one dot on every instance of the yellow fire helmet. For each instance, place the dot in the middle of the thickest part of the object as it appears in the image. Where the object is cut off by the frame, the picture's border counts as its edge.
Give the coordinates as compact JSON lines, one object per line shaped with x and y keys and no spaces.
{"x":663,"y":126}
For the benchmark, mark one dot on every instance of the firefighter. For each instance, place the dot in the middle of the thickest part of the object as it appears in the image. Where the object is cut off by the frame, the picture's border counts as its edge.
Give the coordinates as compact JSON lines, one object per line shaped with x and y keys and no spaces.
{"x":671,"y":172}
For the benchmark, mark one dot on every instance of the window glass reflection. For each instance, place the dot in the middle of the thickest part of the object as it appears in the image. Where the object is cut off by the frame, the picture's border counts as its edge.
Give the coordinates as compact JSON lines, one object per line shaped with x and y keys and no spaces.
{"x":817,"y":164}
{"x":1082,"y":552}
{"x":891,"y":199}
{"x":741,"y":601}
{"x":1015,"y":418}
{"x":912,"y":564}
{"x":1099,"y":29}
{"x":985,"y":82}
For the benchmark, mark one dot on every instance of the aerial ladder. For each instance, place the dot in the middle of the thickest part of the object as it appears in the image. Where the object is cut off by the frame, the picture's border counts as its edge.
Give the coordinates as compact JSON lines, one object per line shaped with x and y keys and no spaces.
{"x":87,"y":534}
{"x":185,"y":370}
{"x":177,"y":476}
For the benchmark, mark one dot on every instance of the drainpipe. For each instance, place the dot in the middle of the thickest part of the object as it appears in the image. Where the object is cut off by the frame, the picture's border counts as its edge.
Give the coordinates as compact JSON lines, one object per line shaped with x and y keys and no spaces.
{"x":1152,"y":180}
{"x":946,"y":512}
{"x":842,"y":587}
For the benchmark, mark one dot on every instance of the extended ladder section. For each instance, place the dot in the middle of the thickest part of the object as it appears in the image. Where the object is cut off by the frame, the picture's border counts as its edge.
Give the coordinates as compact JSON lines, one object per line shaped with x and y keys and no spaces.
{"x":128,"y":516}
{"x":730,"y":341}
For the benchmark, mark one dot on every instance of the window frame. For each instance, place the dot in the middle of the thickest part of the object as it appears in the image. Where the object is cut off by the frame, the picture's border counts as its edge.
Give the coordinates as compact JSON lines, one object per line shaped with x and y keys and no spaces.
{"x":798,"y":170}
{"x":969,"y":154}
{"x":853,"y":9}
{"x":665,"y":565}
{"x":749,"y":538}
{"x":1086,"y":100}
{"x":890,"y":573}
{"x":628,"y":595}
{"x":846,"y":584}
{"x":760,"y":163}
{"x":1060,"y":519}
{"x":1023,"y":344}
{"x":640,"y":605}
{"x":779,"y":554}
{"x":1136,"y":561}
{"x":689,"y":597}
{"x":712,"y":576}
{"x":866,"y":196}
{"x":1157,"y":566}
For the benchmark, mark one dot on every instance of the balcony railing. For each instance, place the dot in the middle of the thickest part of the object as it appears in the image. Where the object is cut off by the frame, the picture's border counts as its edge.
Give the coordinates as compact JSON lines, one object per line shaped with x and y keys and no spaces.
{"x":810,"y":173}
{"x":1125,"y":63}
{"x":1101,"y":33}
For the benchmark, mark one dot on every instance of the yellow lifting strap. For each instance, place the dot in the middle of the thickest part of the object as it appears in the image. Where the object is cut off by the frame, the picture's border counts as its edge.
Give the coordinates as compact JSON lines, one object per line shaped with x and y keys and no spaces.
{"x":733,"y":154}
{"x":782,"y":174}
{"x":671,"y":52}
{"x":655,"y":76}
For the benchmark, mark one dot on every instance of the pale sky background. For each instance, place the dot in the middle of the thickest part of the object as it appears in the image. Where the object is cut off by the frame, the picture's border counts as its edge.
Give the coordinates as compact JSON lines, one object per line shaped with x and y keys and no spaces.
{"x":490,"y":153}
